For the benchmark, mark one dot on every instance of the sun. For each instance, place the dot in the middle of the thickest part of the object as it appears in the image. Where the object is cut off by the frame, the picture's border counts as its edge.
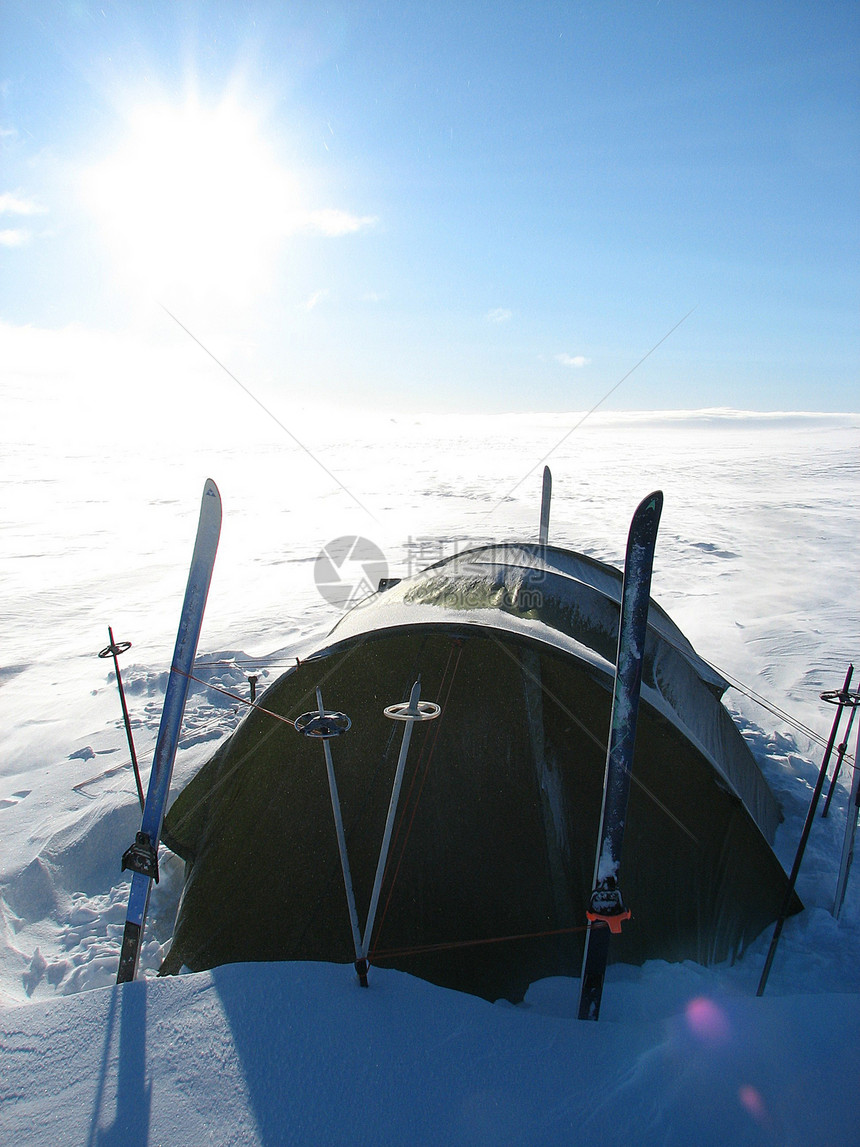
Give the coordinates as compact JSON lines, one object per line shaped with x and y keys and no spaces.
{"x":195,"y":201}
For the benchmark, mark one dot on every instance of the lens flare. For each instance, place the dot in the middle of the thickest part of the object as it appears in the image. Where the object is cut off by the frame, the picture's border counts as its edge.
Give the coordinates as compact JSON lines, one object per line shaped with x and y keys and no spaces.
{"x":751,"y":1099}
{"x":195,"y":199}
{"x":707,"y":1020}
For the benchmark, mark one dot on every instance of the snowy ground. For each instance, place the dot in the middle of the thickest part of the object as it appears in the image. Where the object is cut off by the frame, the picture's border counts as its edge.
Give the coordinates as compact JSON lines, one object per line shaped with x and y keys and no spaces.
{"x":756,"y":562}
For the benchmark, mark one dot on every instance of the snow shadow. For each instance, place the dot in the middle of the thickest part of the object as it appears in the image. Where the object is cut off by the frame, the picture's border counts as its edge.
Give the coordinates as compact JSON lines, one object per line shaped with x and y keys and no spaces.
{"x":325,"y":1061}
{"x":132,"y":1097}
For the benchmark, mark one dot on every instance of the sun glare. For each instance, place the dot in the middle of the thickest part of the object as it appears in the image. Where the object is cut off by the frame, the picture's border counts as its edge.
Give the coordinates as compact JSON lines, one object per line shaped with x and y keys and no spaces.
{"x":195,"y":200}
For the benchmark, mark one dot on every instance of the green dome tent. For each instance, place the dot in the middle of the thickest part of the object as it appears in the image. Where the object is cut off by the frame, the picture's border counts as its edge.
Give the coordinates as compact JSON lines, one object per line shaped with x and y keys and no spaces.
{"x":492,"y":857}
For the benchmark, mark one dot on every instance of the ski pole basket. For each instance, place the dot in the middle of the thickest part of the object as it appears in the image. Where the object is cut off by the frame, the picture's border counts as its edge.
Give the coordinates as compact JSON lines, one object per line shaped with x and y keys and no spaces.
{"x":323,"y":726}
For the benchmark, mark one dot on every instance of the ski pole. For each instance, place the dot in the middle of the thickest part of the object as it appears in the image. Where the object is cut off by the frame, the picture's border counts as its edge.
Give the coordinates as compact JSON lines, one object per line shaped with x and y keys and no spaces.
{"x":414,"y":710}
{"x":114,"y":650}
{"x":850,"y":824}
{"x":325,"y":725}
{"x":840,"y":699}
{"x":840,"y":756}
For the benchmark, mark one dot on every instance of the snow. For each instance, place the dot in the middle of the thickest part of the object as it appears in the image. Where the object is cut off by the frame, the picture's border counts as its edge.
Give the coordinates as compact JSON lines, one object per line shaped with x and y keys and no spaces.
{"x":756,"y":562}
{"x":274,"y":1054}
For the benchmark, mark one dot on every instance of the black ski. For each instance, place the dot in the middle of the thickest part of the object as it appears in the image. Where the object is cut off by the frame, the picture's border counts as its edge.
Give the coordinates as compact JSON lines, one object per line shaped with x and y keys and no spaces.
{"x":606,"y":909}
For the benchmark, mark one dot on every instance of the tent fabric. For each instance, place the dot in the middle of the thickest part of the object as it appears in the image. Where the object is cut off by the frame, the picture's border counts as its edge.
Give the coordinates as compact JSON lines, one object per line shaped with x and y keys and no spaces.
{"x":583,"y":588}
{"x":573,"y":603}
{"x":492,"y":858}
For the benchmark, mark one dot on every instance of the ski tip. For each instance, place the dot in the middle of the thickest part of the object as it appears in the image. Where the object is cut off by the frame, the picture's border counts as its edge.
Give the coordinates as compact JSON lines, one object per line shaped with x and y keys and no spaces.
{"x":210,"y":503}
{"x":653,"y":502}
{"x":546,"y":497}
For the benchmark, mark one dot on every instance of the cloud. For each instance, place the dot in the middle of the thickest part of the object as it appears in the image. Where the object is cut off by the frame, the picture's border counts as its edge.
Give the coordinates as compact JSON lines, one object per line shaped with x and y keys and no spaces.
{"x":574,"y":360}
{"x":333,"y":222}
{"x":15,"y":205}
{"x":499,"y":315}
{"x":315,"y":298}
{"x":14,"y":238}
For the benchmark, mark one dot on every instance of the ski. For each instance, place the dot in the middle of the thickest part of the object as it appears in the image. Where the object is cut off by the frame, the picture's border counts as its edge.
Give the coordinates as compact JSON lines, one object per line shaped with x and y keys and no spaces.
{"x":606,"y":909}
{"x":546,"y":497}
{"x":142,"y":857}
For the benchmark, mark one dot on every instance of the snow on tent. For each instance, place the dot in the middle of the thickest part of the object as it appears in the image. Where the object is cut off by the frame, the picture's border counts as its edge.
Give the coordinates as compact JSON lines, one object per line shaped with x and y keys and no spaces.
{"x":492,"y":856}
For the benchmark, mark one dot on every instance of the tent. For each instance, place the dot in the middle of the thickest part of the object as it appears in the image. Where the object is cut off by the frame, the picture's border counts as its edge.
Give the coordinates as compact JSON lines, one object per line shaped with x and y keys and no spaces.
{"x":492,"y":856}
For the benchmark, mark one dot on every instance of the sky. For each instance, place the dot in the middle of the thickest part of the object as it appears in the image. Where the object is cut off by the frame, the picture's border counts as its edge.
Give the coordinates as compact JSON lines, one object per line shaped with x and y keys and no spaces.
{"x":433,"y":206}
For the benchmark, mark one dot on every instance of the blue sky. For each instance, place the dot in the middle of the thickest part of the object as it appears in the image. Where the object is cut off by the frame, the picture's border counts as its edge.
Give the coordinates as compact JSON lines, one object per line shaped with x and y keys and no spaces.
{"x":446,"y":206}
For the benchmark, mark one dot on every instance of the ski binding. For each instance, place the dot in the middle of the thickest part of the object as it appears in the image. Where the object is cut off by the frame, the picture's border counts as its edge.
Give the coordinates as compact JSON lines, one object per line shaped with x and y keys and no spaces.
{"x":141,"y":857}
{"x":606,"y":905}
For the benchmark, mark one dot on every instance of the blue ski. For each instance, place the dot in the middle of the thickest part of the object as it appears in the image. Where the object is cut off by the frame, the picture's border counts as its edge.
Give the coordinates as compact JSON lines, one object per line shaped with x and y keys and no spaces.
{"x":142,"y":857}
{"x":606,"y":909}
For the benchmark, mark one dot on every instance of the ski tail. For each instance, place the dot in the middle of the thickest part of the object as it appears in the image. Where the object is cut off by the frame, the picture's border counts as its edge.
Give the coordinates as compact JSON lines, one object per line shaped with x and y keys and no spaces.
{"x":607,"y":910}
{"x":142,"y":857}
